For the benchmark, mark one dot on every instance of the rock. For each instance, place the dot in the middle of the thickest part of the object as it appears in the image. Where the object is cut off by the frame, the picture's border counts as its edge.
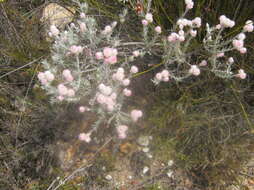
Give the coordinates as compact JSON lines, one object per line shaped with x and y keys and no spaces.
{"x":149,"y":155}
{"x":146,"y":149}
{"x":108,"y":177}
{"x":170,"y":173}
{"x":54,"y":14}
{"x":170,"y":163}
{"x":145,"y":170}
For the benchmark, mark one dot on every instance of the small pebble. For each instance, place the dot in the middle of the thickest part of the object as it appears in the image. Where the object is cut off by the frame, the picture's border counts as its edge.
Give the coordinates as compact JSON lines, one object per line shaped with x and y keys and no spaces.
{"x":108,"y":177}
{"x":170,"y":163}
{"x":170,"y":173}
{"x":145,"y":170}
{"x":145,"y":149}
{"x":149,"y":155}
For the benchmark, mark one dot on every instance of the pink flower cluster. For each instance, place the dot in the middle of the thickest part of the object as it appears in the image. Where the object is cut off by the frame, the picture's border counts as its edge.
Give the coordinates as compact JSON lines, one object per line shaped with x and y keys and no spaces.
{"x":180,"y":36}
{"x":231,"y":60}
{"x":238,"y":43}
{"x":119,"y":75}
{"x":193,"y":33}
{"x":109,"y":55}
{"x":127,"y":92}
{"x":45,"y":77}
{"x":126,"y":82}
{"x":121,"y":131}
{"x":82,"y":15}
{"x":82,"y":27}
{"x":144,"y":22}
{"x":241,"y":74}
{"x":248,"y":26}
{"x":85,"y":137}
{"x":76,"y":49}
{"x":194,"y":70}
{"x":203,"y":63}
{"x":67,"y":75}
{"x":136,"y":114}
{"x":162,"y":76}
{"x":195,"y":23}
{"x":107,"y":30}
{"x":174,"y":37}
{"x":189,"y":4}
{"x":106,"y":97}
{"x":157,"y":29}
{"x":64,"y":91}
{"x":134,"y":69}
{"x":226,"y":22}
{"x":183,"y":22}
{"x":72,"y":25}
{"x":83,"y":109}
{"x":135,"y":53}
{"x":218,"y":27}
{"x":221,"y":54}
{"x":53,"y":31}
{"x":148,"y":19}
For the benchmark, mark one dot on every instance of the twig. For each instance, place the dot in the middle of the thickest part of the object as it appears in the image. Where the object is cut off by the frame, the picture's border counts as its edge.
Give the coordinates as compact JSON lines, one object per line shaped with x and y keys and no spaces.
{"x":248,"y":175}
{"x":23,"y":104}
{"x":81,"y":168}
{"x":30,"y":63}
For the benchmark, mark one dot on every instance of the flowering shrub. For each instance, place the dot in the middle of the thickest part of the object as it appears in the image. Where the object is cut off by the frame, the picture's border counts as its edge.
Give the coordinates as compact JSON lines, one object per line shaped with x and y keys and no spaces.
{"x":85,"y":64}
{"x":180,"y":63}
{"x":93,"y":63}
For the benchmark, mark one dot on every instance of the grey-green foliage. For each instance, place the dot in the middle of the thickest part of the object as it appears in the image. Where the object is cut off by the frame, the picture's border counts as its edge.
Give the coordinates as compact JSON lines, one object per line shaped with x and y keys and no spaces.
{"x":75,"y":50}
